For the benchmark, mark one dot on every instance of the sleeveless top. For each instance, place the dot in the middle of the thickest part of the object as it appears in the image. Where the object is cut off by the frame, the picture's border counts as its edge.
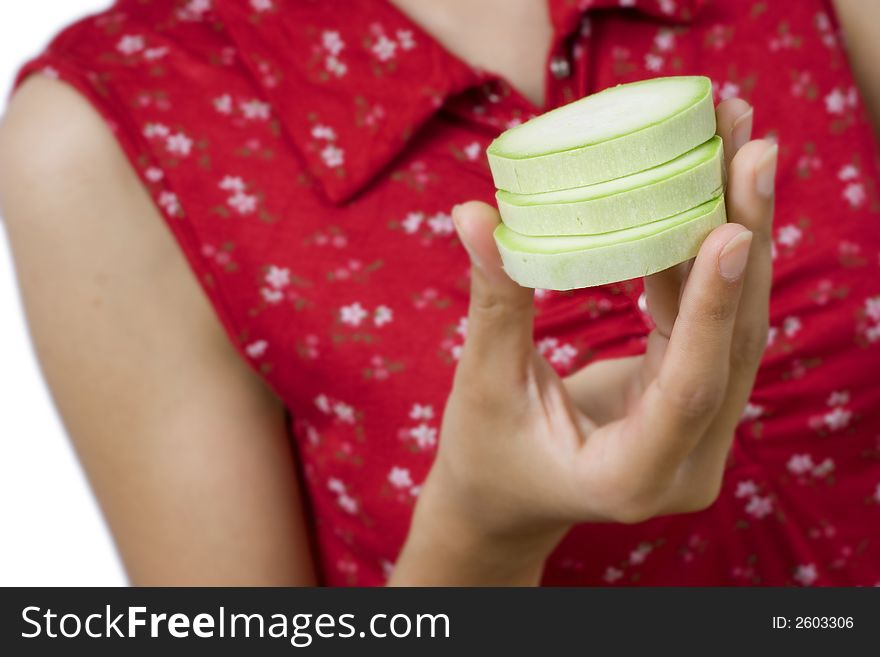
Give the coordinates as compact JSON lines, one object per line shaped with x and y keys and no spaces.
{"x":306,"y":155}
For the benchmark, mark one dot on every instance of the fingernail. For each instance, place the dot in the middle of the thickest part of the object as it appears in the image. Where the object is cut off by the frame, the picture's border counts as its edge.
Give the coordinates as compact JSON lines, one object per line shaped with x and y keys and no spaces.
{"x":734,"y":256}
{"x":742,"y":129}
{"x":766,"y":172}
{"x":475,"y":261}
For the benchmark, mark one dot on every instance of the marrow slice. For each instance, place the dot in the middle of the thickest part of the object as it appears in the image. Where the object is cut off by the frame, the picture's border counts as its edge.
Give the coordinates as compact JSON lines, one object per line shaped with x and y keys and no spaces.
{"x":665,"y":190}
{"x":569,"y":262}
{"x":611,"y":134}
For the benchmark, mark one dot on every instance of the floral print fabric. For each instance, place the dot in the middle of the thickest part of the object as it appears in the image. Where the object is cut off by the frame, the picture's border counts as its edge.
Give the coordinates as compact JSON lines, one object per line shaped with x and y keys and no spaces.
{"x":306,"y":156}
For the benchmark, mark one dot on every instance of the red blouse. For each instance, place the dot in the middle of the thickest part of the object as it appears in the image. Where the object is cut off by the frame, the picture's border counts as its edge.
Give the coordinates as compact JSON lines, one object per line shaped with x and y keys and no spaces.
{"x":306,"y":155}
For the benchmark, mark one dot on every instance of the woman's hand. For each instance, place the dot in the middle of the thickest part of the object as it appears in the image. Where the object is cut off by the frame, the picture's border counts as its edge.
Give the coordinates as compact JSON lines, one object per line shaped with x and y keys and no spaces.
{"x":524,"y":454}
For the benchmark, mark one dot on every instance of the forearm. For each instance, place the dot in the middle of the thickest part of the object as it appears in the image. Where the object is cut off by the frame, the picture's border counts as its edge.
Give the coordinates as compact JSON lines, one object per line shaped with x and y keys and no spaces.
{"x":860,"y":22}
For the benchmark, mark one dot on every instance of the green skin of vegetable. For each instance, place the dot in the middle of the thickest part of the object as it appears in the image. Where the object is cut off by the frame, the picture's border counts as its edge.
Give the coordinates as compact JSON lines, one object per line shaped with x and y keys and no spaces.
{"x":566,"y":263}
{"x":643,"y":197}
{"x":615,"y":157}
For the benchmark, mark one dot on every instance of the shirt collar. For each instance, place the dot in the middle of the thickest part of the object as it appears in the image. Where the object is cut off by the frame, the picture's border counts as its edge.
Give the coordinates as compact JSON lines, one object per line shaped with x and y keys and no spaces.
{"x":351,"y":82}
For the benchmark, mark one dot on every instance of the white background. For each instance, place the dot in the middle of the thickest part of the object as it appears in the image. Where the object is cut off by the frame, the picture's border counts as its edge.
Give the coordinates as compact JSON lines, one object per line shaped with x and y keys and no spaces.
{"x":51,"y":531}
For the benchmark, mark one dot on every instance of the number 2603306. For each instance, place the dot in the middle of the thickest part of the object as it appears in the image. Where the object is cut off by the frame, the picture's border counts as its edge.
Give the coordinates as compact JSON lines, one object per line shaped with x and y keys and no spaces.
{"x":813,"y":622}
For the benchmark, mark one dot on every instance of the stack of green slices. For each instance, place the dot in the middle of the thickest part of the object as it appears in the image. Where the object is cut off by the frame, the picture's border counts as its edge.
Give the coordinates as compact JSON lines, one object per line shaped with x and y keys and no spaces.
{"x":617,"y":185}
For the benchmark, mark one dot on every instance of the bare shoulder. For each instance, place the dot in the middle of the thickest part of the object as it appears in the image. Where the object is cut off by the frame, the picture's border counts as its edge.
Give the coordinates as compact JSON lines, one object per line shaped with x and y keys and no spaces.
{"x":186,"y":448}
{"x":68,"y":191}
{"x":49,"y":129}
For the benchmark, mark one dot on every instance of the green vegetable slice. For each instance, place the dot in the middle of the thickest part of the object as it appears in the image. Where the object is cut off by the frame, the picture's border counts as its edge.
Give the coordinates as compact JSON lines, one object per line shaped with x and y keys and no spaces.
{"x":640,"y":198}
{"x":569,"y":262}
{"x":614,"y":133}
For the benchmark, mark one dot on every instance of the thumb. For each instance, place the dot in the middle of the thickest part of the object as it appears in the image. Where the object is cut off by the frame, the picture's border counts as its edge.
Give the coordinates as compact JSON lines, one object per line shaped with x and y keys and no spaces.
{"x":499,"y":330}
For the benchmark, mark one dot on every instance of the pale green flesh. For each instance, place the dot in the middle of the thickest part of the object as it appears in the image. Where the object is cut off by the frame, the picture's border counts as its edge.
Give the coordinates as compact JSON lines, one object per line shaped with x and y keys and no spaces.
{"x":643,"y":197}
{"x":614,"y":133}
{"x":565,"y":263}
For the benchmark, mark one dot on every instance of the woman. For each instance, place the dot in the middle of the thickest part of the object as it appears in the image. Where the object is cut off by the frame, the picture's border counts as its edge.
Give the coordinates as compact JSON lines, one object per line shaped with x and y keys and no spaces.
{"x":306,"y":157}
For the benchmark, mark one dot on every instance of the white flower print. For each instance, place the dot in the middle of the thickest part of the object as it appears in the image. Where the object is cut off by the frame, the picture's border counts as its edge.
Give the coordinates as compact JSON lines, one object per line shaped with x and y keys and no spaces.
{"x":789,"y":235}
{"x":332,"y":42}
{"x":837,"y":419}
{"x":344,"y":412}
{"x":179,"y":144}
{"x":152,"y":130}
{"x":153,"y":54}
{"x":255,"y":110}
{"x":323,"y":403}
{"x":382,"y":315}
{"x":638,"y":555}
{"x":277,"y":277}
{"x":746,"y":488}
{"x":759,"y":507}
{"x":728,"y":90}
{"x":563,"y":355}
{"x":546,"y":344}
{"x":257,"y":348}
{"x":232,"y":184}
{"x":791,"y":326}
{"x":272,"y":296}
{"x":872,"y":313}
{"x":667,"y":6}
{"x":333,"y":156}
{"x":194,"y":10}
{"x":333,"y":45}
{"x":261,"y":5}
{"x":352,"y":314}
{"x":665,"y":40}
{"x":170,"y":203}
{"x":838,"y":398}
{"x":384,"y":48}
{"x":154,"y":174}
{"x":472,"y":151}
{"x":653,"y":62}
{"x":323,"y":132}
{"x":752,"y":412}
{"x":848,"y":172}
{"x":800,"y":464}
{"x":805,"y":575}
{"x":612,"y":574}
{"x":223,"y":104}
{"x":130,"y":44}
{"x":855,"y":194}
{"x":348,"y":504}
{"x":441,"y":224}
{"x":825,"y":468}
{"x":424,"y":435}
{"x":412,"y":222}
{"x":835,"y":102}
{"x":242,"y":203}
{"x":421,"y":412}
{"x":405,"y":39}
{"x":400,"y":477}
{"x":345,"y":501}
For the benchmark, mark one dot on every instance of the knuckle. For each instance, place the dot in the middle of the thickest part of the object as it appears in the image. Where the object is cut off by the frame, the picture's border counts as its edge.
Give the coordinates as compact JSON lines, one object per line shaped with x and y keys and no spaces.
{"x":719,"y":308}
{"x":700,"y":497}
{"x":477,"y":388}
{"x":493,"y":307}
{"x":696,"y":400}
{"x":633,"y":511}
{"x":748,"y":347}
{"x":635,"y":499}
